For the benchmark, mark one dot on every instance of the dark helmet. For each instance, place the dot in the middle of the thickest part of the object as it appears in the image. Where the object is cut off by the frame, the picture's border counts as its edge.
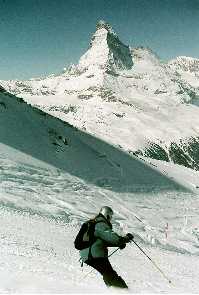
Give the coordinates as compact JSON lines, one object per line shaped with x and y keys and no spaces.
{"x":107,"y":212}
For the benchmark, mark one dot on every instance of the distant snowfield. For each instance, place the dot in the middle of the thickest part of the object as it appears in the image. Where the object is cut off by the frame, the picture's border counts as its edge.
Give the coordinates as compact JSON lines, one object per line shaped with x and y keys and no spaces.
{"x":41,"y":211}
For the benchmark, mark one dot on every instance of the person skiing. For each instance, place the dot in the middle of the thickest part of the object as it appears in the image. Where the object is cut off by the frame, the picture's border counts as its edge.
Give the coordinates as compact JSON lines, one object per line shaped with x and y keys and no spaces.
{"x":96,"y":255}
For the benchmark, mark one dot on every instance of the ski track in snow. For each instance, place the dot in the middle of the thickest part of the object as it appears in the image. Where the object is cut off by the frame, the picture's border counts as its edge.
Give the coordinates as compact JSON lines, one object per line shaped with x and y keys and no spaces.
{"x":41,"y":210}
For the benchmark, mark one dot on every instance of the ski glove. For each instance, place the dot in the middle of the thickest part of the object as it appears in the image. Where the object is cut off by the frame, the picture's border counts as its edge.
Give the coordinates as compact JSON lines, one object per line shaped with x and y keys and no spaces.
{"x":122,"y":243}
{"x":122,"y":246}
{"x":128,"y":238}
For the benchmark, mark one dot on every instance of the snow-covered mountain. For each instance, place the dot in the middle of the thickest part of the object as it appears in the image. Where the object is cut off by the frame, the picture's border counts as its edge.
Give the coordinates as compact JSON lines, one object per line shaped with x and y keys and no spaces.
{"x":185,"y":64}
{"x":125,"y":96}
{"x":187,"y":69}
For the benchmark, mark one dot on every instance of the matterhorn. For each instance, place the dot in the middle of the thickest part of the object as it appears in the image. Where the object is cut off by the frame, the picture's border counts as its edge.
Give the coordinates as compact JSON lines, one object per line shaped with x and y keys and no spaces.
{"x":126,"y":96}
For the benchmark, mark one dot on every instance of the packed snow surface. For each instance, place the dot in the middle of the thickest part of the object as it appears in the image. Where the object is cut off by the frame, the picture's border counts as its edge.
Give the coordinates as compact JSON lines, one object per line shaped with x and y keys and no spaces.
{"x":41,"y":210}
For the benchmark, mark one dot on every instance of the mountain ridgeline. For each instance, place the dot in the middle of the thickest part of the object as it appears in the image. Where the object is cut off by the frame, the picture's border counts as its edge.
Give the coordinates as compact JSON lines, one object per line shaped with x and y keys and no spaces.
{"x":125,"y":96}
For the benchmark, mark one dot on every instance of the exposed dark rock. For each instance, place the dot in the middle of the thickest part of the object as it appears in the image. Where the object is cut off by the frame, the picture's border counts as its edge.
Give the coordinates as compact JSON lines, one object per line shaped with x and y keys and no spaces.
{"x":2,"y":89}
{"x":179,"y":156}
{"x":185,"y":153}
{"x":193,"y":151}
{"x":85,"y":96}
{"x":155,"y":151}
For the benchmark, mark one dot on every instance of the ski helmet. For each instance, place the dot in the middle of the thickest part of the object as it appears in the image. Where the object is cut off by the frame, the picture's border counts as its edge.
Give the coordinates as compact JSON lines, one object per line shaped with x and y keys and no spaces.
{"x":107,"y":212}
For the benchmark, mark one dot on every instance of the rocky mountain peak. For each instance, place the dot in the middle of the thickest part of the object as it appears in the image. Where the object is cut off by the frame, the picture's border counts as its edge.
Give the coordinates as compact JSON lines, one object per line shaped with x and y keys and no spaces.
{"x":106,"y":51}
{"x":101,"y":24}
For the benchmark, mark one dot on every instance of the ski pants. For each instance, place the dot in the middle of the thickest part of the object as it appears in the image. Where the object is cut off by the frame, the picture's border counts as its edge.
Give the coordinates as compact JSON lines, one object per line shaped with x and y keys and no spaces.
{"x":110,"y":277}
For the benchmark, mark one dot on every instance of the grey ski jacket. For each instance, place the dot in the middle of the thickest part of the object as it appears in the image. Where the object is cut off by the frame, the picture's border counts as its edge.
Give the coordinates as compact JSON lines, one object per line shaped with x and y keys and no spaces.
{"x":106,"y":237}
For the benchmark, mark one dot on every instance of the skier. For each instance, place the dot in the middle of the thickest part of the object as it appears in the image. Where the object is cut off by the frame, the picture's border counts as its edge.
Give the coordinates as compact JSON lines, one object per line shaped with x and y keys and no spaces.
{"x":96,"y":255}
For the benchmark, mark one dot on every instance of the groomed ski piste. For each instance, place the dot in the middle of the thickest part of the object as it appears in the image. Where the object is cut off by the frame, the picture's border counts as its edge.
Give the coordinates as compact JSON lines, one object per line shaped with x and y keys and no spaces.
{"x":54,"y":177}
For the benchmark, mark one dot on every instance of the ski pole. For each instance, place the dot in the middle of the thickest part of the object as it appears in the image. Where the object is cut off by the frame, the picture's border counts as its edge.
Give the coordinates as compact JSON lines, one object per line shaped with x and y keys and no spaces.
{"x":93,"y":268}
{"x":152,"y":262}
{"x":113,"y":252}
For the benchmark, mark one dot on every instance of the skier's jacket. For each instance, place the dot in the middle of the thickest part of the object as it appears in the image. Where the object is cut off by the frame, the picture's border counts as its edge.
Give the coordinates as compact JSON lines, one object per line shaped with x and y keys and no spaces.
{"x":105,"y":237}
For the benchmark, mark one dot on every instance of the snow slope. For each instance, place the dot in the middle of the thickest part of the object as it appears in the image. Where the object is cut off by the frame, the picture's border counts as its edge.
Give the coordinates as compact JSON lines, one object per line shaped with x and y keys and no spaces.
{"x":33,"y":137}
{"x":41,"y":210}
{"x":54,"y":176}
{"x":125,"y":96}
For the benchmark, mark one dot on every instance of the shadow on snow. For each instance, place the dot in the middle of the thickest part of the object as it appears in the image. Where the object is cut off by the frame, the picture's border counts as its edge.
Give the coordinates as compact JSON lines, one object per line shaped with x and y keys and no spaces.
{"x":46,"y":138}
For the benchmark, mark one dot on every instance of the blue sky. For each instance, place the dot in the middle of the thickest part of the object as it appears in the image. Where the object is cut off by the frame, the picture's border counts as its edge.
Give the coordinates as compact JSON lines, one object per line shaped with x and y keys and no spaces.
{"x":40,"y":37}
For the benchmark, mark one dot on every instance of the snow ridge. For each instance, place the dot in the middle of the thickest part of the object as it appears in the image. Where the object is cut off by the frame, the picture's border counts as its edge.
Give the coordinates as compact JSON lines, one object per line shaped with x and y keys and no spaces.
{"x":185,"y":63}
